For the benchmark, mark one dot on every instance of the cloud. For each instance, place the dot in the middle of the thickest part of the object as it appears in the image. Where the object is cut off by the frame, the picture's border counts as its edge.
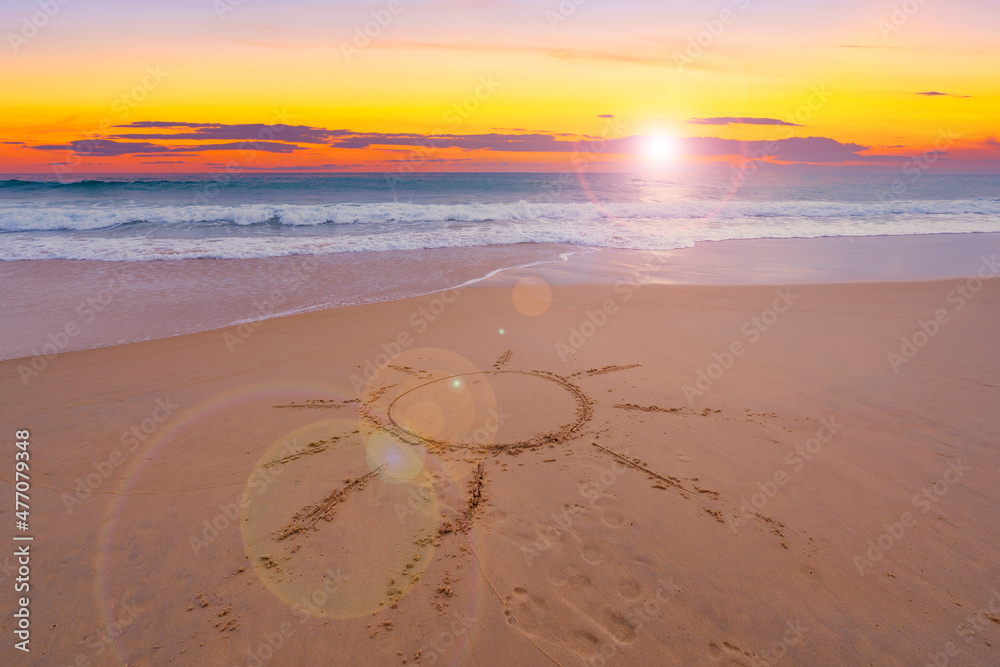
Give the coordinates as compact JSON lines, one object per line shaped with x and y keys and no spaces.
{"x":227,"y":132}
{"x":431,"y":159}
{"x":524,"y":143}
{"x":264,"y":146}
{"x":303,"y":167}
{"x":167,"y":123}
{"x":793,"y":149}
{"x":14,"y":143}
{"x":606,"y":115}
{"x":105,"y":147}
{"x":729,"y":120}
{"x":108,"y":147}
{"x":934,"y":93}
{"x":200,"y":138}
{"x":817,"y":149}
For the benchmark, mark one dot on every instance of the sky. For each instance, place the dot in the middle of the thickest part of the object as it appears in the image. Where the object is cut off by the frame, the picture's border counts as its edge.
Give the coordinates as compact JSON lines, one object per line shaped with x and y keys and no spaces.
{"x":109,"y":86}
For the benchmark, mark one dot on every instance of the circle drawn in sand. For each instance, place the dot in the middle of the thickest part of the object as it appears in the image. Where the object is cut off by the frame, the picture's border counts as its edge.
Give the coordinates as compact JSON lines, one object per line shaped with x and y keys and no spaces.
{"x":458,"y":412}
{"x":517,"y":413}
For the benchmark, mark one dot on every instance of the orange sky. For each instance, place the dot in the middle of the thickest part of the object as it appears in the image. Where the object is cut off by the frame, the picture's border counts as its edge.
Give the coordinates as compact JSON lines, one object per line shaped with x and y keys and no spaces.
{"x":513,"y":85}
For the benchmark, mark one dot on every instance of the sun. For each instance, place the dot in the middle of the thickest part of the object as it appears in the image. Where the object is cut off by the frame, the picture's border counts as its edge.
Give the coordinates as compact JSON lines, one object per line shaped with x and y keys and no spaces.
{"x":661,"y":149}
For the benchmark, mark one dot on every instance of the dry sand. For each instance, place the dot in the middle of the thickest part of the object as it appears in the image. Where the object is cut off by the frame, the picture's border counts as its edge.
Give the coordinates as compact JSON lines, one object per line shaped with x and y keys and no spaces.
{"x":506,"y":491}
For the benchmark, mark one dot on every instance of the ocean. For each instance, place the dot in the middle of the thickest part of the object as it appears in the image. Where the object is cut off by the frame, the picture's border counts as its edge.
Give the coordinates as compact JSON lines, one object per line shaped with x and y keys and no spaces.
{"x":139,"y":218}
{"x":262,"y":246}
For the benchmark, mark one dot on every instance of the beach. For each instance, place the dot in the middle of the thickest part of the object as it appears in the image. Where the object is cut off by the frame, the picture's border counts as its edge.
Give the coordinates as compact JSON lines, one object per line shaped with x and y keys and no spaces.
{"x":610,"y":457}
{"x":499,"y":333}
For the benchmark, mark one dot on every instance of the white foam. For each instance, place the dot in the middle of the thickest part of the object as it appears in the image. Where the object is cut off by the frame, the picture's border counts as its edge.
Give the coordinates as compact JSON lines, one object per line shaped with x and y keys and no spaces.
{"x":379,"y":227}
{"x":631,"y":234}
{"x":44,"y":217}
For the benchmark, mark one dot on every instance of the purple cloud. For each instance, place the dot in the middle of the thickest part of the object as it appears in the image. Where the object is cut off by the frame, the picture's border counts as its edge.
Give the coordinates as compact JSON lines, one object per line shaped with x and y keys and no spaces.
{"x":525,"y":143}
{"x":167,"y":123}
{"x":108,"y":147}
{"x":225,"y":137}
{"x":265,"y":146}
{"x":105,"y":147}
{"x":225,"y":132}
{"x":934,"y":93}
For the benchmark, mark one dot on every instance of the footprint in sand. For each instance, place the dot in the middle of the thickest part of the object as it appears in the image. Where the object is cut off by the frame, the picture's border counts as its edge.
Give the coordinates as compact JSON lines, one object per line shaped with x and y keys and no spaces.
{"x":588,"y":593}
{"x":607,"y":507}
{"x":592,"y":580}
{"x":591,"y":554}
{"x":535,"y":616}
{"x":629,"y":589}
{"x":613,"y":518}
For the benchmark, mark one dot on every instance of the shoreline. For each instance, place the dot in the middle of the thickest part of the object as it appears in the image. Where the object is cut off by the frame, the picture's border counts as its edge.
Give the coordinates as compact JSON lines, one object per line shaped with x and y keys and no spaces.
{"x":66,"y":305}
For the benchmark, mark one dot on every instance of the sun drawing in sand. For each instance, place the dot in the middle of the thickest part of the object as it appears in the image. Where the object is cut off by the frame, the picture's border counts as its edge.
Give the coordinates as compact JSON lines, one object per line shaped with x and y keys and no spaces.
{"x":343,"y":517}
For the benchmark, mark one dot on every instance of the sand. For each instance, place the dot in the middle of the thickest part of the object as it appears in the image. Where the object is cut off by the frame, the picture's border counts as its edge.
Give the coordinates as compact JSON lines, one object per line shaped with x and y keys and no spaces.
{"x":526,"y":471}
